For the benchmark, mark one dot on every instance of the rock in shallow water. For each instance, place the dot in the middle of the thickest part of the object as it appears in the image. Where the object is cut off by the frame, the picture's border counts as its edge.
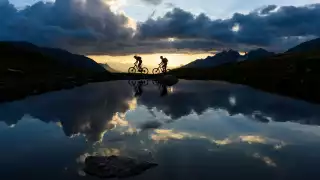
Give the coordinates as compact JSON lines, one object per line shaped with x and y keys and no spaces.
{"x":115,"y":166}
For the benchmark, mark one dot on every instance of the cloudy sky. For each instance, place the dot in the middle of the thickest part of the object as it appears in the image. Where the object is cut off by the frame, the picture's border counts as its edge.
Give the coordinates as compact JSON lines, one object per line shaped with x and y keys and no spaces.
{"x":119,"y":27}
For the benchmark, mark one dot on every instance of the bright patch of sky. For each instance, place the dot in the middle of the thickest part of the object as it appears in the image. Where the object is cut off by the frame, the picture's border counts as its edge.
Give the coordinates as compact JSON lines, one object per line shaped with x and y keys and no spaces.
{"x":122,"y":63}
{"x":140,"y":11}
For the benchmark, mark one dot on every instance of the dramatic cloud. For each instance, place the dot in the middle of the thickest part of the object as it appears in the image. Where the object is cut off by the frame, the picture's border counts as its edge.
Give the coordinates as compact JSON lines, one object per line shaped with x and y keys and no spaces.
{"x":198,"y":97}
{"x":87,"y":110}
{"x":70,"y":24}
{"x":94,"y":27}
{"x":153,"y":2}
{"x":263,"y":28}
{"x":268,"y":9}
{"x":150,"y":125}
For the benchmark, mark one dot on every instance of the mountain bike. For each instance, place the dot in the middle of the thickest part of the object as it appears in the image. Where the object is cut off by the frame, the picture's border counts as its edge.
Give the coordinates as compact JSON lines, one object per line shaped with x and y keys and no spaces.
{"x":135,"y":69}
{"x":159,"y":70}
{"x":138,"y":86}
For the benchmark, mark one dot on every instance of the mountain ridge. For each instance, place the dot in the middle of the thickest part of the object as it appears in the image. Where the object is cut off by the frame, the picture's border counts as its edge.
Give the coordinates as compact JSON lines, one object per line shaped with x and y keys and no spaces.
{"x":294,"y":73}
{"x":229,"y":56}
{"x":312,"y":45}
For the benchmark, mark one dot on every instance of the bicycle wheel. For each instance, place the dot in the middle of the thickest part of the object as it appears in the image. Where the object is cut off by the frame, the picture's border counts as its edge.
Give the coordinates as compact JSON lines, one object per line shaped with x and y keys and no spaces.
{"x":145,"y":70}
{"x":156,"y":71}
{"x":154,"y":82}
{"x":132,"y":82}
{"x":132,"y":70}
{"x":146,"y":82}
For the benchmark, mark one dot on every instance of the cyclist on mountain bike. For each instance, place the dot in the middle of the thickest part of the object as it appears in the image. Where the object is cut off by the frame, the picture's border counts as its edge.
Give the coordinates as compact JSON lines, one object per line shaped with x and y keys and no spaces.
{"x":139,"y":61}
{"x":164,"y":63}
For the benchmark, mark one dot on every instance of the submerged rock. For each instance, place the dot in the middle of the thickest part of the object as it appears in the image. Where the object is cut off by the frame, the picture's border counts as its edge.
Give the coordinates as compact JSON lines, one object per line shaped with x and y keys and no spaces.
{"x":115,"y":166}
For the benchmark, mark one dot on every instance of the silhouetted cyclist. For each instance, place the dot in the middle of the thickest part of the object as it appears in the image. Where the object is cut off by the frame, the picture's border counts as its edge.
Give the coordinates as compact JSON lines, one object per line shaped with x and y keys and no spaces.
{"x":139,"y":61}
{"x":164,"y":63}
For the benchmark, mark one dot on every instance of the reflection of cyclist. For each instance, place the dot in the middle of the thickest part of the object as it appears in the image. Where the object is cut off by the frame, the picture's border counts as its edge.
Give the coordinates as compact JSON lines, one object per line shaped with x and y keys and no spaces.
{"x":139,"y":61}
{"x":138,"y":89}
{"x":164,"y":63}
{"x":164,"y":90}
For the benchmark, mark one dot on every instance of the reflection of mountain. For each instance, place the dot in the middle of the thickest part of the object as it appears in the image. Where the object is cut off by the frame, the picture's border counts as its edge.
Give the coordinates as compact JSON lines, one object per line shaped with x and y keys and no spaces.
{"x":198,"y":96}
{"x":85,"y":110}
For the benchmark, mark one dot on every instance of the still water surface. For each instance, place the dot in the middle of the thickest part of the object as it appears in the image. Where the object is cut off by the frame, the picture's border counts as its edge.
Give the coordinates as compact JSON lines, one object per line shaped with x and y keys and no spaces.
{"x":194,"y":130}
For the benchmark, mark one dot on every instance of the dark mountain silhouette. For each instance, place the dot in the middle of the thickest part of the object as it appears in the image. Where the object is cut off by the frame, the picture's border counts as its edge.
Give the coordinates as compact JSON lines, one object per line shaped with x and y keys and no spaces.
{"x":228,"y":57}
{"x":218,"y":59}
{"x":73,"y":60}
{"x":62,"y":57}
{"x":107,"y":67}
{"x":294,"y":73}
{"x":313,"y":45}
{"x":258,"y":54}
{"x":26,"y":69}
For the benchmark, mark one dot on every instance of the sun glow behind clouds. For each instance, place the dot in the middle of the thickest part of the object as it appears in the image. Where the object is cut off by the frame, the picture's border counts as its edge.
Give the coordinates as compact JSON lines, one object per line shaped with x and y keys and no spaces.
{"x":116,"y":6}
{"x":122,"y":63}
{"x":236,"y":28}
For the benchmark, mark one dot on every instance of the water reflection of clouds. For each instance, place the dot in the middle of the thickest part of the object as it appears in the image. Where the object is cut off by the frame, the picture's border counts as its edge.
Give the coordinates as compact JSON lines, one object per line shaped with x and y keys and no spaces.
{"x":197,"y":121}
{"x":86,"y":110}
{"x":198,"y":96}
{"x":267,"y":160}
{"x":92,"y":110}
{"x":164,"y":135}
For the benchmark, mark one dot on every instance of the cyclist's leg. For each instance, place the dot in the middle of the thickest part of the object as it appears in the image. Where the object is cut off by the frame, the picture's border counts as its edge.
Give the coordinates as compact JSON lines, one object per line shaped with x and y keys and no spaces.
{"x":165,"y":67}
{"x":139,"y":65}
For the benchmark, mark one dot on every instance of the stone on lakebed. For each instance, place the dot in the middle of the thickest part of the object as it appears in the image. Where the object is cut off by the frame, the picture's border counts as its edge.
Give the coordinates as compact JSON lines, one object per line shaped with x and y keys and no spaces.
{"x":115,"y":166}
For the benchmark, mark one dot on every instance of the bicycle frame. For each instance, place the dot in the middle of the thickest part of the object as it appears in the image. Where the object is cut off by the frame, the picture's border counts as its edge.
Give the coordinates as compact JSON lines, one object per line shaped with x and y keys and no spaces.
{"x":141,"y":69}
{"x":136,"y":66}
{"x":160,"y":67}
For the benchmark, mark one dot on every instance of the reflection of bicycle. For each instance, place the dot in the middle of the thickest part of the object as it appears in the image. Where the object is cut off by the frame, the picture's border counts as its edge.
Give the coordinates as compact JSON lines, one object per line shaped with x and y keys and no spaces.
{"x":159,"y":70}
{"x":134,"y":82}
{"x":135,"y":69}
{"x":137,"y":86}
{"x":162,"y":88}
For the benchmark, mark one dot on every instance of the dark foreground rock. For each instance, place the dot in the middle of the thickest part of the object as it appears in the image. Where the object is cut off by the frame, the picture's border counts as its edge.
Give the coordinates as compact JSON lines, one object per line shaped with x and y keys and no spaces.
{"x":115,"y":166}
